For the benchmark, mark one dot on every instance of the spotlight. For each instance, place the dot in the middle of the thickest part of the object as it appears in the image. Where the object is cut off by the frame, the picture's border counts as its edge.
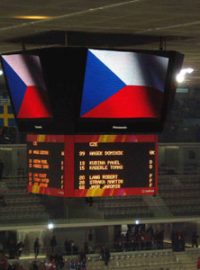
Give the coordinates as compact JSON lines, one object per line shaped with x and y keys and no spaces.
{"x":50,"y":226}
{"x":137,"y":221}
{"x":189,"y":70}
{"x":181,"y":75}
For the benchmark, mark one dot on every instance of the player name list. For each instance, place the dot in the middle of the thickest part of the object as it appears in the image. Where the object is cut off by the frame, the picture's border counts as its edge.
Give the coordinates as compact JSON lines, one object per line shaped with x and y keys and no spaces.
{"x":46,"y":164}
{"x":114,"y":165}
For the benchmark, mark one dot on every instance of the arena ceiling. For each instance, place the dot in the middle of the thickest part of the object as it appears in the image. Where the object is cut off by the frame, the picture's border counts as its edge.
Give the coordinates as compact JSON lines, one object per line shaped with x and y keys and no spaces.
{"x":138,"y":24}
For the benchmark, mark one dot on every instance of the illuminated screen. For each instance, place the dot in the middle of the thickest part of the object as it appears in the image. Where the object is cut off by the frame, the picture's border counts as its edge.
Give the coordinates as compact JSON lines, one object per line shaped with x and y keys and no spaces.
{"x":127,"y":91}
{"x":27,"y":87}
{"x":76,"y":90}
{"x":109,"y":165}
{"x":46,"y":165}
{"x":121,"y":84}
{"x":92,"y":165}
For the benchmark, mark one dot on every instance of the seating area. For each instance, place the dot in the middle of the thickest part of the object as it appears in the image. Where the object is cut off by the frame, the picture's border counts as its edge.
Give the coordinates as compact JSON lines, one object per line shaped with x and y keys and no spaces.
{"x":147,"y":260}
{"x":20,"y":206}
{"x":123,"y":207}
{"x":181,"y":194}
{"x":137,"y":260}
{"x":183,"y":120}
{"x":178,"y":196}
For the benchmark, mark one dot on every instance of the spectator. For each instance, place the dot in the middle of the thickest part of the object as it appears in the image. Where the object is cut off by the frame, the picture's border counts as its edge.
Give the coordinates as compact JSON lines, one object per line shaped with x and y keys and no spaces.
{"x":41,"y":265}
{"x":3,"y":261}
{"x":90,"y":236}
{"x":51,"y":264}
{"x":1,"y":169}
{"x":16,"y":266}
{"x":67,"y":246}
{"x":26,"y":248}
{"x":34,"y":266}
{"x":105,"y":254}
{"x":72,"y":265}
{"x":86,"y":248}
{"x":2,"y":200}
{"x":1,"y":246}
{"x":3,"y":190}
{"x":60,"y":263}
{"x":194,"y":240}
{"x":72,"y":247}
{"x":11,"y":245}
{"x":36,"y":247}
{"x":83,"y":265}
{"x":53,"y":243}
{"x":82,"y":257}
{"x":19,"y":248}
{"x":198,"y":263}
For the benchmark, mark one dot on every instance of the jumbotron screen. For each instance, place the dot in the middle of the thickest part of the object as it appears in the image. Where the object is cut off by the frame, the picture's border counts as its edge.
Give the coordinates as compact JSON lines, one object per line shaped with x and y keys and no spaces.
{"x":79,"y":90}
{"x":121,"y":77}
{"x":93,"y":165}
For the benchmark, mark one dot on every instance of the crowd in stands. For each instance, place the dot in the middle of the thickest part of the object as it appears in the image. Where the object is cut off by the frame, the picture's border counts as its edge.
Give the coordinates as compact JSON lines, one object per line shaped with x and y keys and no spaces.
{"x":53,"y":262}
{"x":139,"y":238}
{"x":136,"y":238}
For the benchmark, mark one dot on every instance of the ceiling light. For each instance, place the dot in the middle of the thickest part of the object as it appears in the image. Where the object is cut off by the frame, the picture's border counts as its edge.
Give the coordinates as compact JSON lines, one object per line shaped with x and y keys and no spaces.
{"x":188,"y":70}
{"x":137,"y":222}
{"x":32,"y":17}
{"x":50,"y":226}
{"x":1,"y":72}
{"x":180,"y":77}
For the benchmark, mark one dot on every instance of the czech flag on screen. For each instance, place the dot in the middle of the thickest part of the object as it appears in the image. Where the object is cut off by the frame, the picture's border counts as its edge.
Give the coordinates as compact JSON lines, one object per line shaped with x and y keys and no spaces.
{"x":120,"y":84}
{"x":26,"y":85}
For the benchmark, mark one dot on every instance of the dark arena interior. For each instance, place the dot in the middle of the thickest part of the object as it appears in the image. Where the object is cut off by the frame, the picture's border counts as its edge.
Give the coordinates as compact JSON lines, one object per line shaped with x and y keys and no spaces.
{"x":99,"y":135}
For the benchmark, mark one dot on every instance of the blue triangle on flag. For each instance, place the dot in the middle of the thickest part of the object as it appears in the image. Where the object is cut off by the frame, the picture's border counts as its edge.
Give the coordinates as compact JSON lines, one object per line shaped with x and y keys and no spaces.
{"x":16,"y":86}
{"x":100,"y":83}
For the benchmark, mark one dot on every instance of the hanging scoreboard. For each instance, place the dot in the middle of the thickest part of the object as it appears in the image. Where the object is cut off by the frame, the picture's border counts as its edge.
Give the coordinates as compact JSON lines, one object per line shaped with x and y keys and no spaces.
{"x":93,"y":165}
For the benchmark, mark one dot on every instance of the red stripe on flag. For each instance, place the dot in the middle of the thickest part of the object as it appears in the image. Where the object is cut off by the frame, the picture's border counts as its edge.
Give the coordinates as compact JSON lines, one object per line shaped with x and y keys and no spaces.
{"x":130,"y":102}
{"x":35,"y":104}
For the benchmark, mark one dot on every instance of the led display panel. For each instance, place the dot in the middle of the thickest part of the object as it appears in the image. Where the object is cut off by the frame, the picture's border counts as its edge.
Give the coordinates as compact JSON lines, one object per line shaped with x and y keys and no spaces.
{"x":27,"y":86}
{"x":122,"y":84}
{"x":111,"y":165}
{"x":92,"y":165}
{"x":127,"y":91}
{"x":45,"y":164}
{"x":75,"y":90}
